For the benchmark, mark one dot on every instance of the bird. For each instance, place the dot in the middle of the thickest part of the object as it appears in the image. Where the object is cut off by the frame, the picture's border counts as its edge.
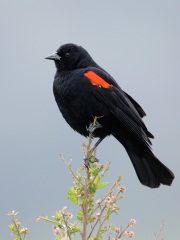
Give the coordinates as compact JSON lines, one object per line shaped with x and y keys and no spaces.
{"x":82,"y":90}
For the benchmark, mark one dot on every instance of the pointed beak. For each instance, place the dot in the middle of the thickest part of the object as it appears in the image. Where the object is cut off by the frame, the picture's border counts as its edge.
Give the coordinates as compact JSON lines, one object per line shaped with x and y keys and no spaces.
{"x":54,"y":57}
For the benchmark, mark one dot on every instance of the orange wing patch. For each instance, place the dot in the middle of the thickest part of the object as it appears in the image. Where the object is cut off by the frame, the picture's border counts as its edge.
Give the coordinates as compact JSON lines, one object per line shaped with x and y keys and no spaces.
{"x":96,"y":80}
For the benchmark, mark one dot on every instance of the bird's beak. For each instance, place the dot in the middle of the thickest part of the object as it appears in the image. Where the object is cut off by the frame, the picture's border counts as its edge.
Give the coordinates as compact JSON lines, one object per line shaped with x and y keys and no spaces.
{"x":54,"y":57}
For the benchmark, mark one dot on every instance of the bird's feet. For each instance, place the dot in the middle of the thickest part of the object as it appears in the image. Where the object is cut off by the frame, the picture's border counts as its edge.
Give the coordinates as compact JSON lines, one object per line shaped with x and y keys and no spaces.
{"x":92,"y":127}
{"x":89,"y":156}
{"x":91,"y":159}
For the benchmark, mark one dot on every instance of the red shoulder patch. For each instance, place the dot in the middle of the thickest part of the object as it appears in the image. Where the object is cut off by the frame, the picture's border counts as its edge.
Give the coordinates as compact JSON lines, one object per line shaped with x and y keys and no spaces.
{"x":96,"y":80}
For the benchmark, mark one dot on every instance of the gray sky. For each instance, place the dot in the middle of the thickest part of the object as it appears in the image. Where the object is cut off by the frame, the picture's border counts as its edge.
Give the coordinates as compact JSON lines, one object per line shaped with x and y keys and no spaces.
{"x":137,"y":42}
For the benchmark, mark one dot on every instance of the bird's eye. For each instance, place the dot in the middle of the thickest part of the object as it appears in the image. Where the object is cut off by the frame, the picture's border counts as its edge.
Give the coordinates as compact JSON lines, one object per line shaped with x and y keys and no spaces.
{"x":67,"y":55}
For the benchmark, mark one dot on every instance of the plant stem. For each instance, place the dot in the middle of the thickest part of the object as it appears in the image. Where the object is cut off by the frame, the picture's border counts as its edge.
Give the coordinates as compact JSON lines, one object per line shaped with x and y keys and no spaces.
{"x":160,"y":231}
{"x":121,"y":234}
{"x":17,"y":229}
{"x":86,"y":185}
{"x":48,"y":220}
{"x":67,"y":228}
{"x":85,"y":213}
{"x":98,"y":219}
{"x":102,"y":223}
{"x":110,"y":190}
{"x":70,"y":169}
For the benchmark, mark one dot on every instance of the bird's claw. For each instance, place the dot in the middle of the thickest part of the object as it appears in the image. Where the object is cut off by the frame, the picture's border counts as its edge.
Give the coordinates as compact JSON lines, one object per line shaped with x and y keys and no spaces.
{"x":89,"y":160}
{"x":92,"y":128}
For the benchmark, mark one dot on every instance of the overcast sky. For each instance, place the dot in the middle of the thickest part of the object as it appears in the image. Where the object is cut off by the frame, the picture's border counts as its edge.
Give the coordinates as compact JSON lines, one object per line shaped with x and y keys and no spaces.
{"x":137,"y":42}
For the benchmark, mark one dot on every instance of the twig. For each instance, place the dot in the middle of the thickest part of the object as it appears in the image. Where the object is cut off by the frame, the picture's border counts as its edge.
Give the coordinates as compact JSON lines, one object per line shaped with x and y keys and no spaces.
{"x":109,"y":211}
{"x":160,"y":231}
{"x":110,"y":190}
{"x":85,"y":187}
{"x":85,"y":213}
{"x":98,"y":219}
{"x":65,"y":221}
{"x":17,"y":229}
{"x":122,"y":232}
{"x":70,"y":169}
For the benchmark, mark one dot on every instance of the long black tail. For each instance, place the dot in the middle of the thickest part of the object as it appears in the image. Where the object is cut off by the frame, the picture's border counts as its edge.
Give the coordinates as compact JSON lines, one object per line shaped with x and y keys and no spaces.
{"x":150,"y":171}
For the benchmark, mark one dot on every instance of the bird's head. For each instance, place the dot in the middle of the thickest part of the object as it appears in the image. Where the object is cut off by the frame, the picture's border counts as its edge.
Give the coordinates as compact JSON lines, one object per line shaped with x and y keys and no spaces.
{"x":70,"y":56}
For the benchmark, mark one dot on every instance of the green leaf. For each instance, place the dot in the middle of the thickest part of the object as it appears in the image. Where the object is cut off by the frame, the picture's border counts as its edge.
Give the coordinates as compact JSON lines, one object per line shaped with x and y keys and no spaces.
{"x":17,"y":238}
{"x":92,"y":189}
{"x":102,"y":185}
{"x":79,"y":177}
{"x":11,"y":227}
{"x":76,"y":229}
{"x":79,"y":216}
{"x":93,"y":170}
{"x":57,"y":216}
{"x":72,"y":195}
{"x":97,"y":179}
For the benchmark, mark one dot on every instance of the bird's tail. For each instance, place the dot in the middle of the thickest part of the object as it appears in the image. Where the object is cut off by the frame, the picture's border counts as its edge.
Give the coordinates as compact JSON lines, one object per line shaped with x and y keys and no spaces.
{"x":150,"y":171}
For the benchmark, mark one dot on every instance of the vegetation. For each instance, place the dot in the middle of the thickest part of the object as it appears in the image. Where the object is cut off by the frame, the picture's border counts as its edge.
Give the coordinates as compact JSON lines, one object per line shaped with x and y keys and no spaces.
{"x":93,"y":220}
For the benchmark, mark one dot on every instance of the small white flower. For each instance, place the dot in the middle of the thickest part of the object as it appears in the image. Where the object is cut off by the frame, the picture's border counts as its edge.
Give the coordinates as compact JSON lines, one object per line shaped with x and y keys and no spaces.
{"x":98,"y":201}
{"x":18,"y":224}
{"x":70,"y":215}
{"x":122,"y":189}
{"x":132,"y":222}
{"x":130,"y":234}
{"x":56,"y":230}
{"x":98,"y":214}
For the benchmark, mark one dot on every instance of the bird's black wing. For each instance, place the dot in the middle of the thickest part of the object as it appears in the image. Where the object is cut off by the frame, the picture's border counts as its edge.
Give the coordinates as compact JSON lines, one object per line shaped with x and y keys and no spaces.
{"x":109,"y":79}
{"x":119,"y":104}
{"x":137,"y":106}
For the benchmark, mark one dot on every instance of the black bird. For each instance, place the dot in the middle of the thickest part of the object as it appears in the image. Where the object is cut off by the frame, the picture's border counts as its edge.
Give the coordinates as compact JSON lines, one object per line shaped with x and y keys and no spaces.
{"x":82,"y":90}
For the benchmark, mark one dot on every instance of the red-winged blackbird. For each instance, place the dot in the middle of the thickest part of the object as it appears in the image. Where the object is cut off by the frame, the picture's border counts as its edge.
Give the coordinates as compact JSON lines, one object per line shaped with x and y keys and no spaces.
{"x":83,"y":89}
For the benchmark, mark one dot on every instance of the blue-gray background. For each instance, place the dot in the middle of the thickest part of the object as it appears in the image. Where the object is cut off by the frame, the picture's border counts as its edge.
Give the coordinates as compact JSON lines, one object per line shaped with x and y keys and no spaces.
{"x":138,"y":43}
